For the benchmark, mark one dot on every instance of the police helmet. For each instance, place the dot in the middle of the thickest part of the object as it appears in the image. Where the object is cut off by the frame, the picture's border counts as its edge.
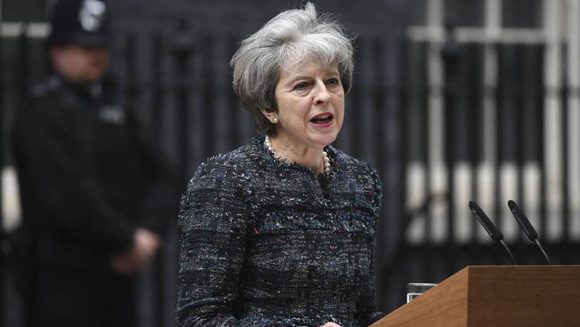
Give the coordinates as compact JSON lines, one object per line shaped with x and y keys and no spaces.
{"x":79,"y":22}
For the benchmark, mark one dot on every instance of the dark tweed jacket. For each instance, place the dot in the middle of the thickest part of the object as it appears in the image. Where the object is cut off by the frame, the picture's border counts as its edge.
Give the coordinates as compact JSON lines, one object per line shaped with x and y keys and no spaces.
{"x":268,"y":243}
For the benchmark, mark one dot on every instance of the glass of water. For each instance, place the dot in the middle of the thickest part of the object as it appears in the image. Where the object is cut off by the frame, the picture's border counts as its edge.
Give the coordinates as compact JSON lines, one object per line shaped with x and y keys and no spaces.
{"x":416,"y":289}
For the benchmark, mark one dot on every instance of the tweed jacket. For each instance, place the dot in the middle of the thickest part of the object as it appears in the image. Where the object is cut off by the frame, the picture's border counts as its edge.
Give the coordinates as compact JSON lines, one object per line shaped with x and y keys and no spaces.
{"x":265,"y":242}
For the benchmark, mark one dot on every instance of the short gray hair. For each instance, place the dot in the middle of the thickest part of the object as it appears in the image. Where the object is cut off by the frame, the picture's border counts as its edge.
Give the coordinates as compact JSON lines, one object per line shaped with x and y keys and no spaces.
{"x":288,"y":39}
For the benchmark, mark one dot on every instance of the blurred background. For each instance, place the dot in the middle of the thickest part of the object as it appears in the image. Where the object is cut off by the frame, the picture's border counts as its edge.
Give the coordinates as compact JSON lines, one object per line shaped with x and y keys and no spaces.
{"x":452,"y":101}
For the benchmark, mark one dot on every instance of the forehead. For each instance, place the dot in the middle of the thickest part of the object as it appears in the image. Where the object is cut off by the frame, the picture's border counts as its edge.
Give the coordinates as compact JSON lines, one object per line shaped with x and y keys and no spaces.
{"x":309,"y":67}
{"x":80,"y":49}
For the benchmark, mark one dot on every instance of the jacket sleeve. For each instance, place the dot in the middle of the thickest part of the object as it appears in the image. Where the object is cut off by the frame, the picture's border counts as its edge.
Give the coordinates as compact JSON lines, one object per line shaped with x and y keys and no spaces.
{"x":55,"y":163}
{"x":367,"y":313}
{"x":212,"y":235}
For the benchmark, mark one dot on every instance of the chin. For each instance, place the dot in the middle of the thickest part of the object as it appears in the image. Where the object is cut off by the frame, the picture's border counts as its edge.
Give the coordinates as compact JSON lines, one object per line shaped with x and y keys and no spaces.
{"x":324,"y":140}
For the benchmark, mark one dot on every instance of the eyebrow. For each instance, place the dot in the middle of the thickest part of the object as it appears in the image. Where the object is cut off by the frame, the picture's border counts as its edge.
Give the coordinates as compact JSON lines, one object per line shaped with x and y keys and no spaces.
{"x":299,"y":77}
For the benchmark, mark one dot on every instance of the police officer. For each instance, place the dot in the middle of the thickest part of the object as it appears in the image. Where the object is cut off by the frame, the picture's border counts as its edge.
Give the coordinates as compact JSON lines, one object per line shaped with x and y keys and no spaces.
{"x":93,"y":194}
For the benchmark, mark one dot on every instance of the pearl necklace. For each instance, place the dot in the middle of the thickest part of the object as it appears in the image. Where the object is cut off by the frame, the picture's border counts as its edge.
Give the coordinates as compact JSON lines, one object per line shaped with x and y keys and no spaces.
{"x":325,"y":158}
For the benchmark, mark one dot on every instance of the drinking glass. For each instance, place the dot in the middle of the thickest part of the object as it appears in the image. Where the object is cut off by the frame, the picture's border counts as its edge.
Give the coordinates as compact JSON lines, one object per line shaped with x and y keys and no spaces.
{"x":416,"y":289}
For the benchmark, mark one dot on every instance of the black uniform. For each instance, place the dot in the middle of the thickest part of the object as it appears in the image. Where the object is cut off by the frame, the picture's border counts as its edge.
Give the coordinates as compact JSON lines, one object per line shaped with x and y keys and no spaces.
{"x":87,"y":181}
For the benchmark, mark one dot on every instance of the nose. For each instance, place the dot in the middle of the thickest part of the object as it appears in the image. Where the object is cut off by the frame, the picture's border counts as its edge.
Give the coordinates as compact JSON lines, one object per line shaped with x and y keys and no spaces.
{"x":97,"y":53}
{"x":321,"y":94}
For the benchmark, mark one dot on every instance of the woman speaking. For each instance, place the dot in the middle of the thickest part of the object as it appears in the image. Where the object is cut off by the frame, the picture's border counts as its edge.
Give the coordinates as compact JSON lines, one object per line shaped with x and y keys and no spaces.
{"x":280,"y":232}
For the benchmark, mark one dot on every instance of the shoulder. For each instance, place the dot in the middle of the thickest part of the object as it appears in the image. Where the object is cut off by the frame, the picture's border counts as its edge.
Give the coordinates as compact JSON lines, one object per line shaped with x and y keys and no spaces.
{"x":50,"y":86}
{"x":223,"y":168}
{"x":45,"y":101}
{"x":358,"y":174}
{"x":354,"y":166}
{"x":217,"y":189}
{"x":38,"y":112}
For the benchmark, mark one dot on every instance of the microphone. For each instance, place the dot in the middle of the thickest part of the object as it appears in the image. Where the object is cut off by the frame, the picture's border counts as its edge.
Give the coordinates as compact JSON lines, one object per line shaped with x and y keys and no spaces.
{"x":490,"y":228}
{"x":527,"y":227}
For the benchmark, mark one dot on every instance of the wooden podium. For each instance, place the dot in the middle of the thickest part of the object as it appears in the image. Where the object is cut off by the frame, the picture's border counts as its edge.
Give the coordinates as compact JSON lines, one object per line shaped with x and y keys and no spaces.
{"x":488,"y":296}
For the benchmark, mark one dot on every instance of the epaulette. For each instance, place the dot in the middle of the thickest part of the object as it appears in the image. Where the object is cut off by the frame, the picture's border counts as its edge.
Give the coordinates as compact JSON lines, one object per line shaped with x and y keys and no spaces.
{"x":46,"y":87}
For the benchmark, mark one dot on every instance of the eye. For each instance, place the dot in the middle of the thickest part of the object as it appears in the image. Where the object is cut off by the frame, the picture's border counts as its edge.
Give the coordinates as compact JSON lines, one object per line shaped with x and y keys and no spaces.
{"x":300,"y":86}
{"x":333,"y":81}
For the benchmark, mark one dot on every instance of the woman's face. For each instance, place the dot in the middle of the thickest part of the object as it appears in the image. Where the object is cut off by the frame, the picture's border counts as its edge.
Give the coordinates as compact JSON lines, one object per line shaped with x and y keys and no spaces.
{"x":310,"y":101}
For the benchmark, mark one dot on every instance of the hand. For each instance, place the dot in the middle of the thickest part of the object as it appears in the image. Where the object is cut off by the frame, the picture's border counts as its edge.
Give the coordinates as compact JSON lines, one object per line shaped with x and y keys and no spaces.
{"x":145,"y":245}
{"x":330,"y":324}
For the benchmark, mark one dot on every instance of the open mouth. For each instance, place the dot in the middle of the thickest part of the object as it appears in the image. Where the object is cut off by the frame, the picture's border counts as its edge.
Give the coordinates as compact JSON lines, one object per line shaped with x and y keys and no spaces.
{"x":322,"y":118}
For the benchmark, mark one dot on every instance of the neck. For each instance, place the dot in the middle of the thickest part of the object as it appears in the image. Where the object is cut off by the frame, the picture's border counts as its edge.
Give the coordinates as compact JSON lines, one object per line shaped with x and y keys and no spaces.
{"x":310,"y":157}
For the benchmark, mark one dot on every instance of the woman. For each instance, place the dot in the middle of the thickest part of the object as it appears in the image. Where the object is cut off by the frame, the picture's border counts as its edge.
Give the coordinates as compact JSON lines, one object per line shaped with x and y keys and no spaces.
{"x":280,"y":232}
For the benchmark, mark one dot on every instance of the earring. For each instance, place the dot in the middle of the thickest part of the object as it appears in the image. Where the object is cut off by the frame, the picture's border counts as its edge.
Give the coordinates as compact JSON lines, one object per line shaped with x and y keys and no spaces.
{"x":275,"y":120}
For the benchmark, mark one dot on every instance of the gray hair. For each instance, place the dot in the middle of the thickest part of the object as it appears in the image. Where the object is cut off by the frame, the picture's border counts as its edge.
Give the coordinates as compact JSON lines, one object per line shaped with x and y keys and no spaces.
{"x":289,"y":39}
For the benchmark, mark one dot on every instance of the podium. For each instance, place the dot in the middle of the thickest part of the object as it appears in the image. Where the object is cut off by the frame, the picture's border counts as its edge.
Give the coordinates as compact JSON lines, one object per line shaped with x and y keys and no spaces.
{"x":478,"y":296}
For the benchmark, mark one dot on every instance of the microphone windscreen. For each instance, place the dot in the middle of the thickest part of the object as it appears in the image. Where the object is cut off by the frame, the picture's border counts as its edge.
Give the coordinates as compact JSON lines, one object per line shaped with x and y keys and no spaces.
{"x":484,"y":220}
{"x":523,"y":221}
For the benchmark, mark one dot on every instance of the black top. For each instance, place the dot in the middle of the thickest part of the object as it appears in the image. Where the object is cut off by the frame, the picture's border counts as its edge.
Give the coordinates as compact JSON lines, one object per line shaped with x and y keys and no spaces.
{"x":268,"y":243}
{"x":86,"y":176}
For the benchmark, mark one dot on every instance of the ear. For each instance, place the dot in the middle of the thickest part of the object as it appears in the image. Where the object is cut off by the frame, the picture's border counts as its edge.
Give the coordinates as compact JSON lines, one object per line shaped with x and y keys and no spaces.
{"x":270,"y":115}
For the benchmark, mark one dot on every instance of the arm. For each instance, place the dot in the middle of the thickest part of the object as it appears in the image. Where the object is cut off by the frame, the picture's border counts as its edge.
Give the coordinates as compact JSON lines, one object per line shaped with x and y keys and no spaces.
{"x":212,"y":236}
{"x":161,"y":203}
{"x":54,"y":161}
{"x":367,"y":313}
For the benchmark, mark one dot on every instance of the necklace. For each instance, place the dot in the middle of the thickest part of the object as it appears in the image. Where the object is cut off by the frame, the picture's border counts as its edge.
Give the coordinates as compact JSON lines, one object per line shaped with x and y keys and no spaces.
{"x":325,"y":159}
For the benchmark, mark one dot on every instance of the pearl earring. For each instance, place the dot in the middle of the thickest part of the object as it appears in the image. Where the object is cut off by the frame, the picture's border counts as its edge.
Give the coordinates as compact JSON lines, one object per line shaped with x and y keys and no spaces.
{"x":274,"y":120}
